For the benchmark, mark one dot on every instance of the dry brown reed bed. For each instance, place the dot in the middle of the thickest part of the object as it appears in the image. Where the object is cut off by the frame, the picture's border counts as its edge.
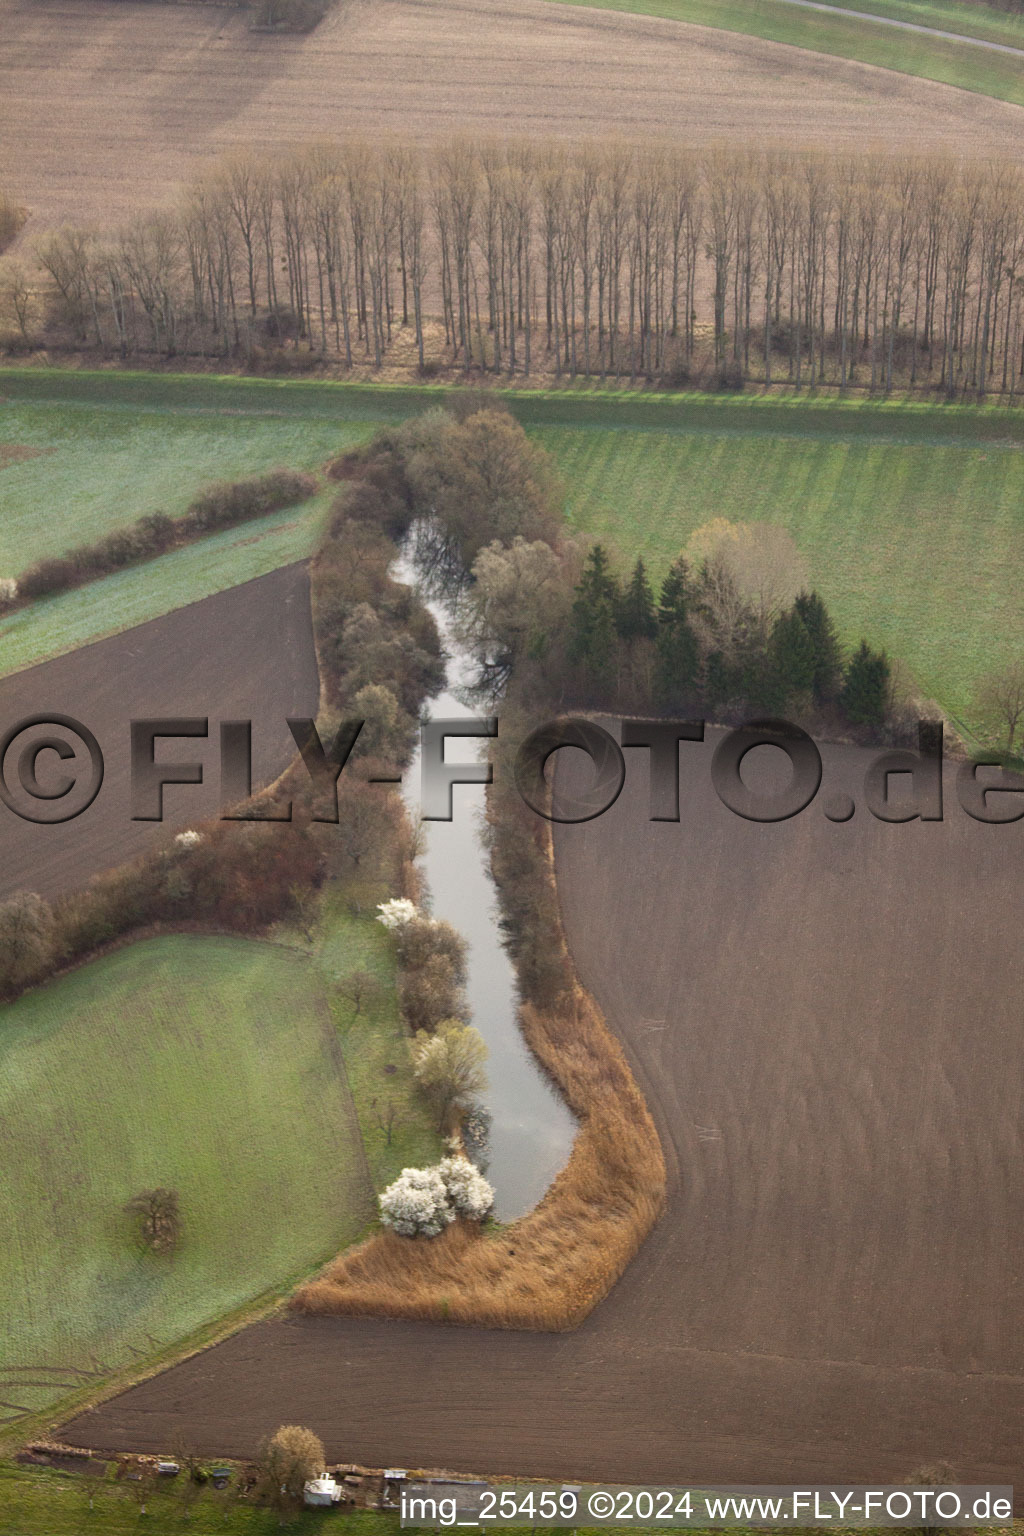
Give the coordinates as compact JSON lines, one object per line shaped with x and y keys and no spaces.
{"x":551,"y":1268}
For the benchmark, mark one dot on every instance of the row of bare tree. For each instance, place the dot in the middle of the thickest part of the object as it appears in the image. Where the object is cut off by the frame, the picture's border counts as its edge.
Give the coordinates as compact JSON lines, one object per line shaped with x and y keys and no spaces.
{"x":584,"y":259}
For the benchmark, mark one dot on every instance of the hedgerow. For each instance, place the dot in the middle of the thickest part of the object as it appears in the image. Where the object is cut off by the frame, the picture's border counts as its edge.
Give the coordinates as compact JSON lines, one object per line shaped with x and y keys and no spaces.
{"x":217,"y":507}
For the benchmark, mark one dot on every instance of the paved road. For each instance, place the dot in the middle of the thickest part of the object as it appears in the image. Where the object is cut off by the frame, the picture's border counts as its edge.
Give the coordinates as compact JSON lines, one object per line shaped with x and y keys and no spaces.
{"x":908,"y":26}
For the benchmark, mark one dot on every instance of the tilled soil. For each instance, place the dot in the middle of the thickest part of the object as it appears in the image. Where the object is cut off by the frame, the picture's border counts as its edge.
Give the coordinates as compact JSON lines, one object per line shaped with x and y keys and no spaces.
{"x":826,"y":1021}
{"x":245,"y":654}
{"x":107,"y":106}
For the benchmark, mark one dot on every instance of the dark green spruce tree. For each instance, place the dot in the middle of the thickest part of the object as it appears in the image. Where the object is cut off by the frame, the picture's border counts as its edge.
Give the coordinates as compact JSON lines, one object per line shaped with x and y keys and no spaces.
{"x":828,"y":656}
{"x":637,"y":618}
{"x":865,"y":692}
{"x":791,"y":660}
{"x":675,"y":676}
{"x":676,"y":592}
{"x":593,"y":635}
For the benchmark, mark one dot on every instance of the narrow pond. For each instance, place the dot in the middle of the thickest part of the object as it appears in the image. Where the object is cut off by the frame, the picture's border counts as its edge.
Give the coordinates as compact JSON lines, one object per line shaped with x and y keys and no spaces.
{"x":532,"y":1130}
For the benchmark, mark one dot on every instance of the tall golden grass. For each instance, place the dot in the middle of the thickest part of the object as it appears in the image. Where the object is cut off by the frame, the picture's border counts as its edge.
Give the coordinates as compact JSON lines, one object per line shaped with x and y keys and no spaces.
{"x":548,"y":1270}
{"x":551,"y":1268}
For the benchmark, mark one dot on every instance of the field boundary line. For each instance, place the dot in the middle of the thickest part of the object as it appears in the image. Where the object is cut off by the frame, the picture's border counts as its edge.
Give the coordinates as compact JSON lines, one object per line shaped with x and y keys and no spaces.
{"x":907,"y":26}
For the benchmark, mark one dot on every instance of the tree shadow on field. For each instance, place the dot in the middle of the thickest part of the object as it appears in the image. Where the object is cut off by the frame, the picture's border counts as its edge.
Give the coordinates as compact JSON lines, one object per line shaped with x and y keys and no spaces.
{"x":161,"y":78}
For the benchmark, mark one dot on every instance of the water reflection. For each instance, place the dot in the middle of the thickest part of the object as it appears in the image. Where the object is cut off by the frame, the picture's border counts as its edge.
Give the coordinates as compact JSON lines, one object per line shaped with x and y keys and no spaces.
{"x":531,"y":1129}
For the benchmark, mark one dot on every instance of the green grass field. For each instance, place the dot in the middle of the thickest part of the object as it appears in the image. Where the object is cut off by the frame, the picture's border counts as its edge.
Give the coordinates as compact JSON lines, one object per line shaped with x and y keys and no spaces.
{"x":913,"y":544}
{"x":209,"y":1065}
{"x":37,"y":1501}
{"x":105,"y":461}
{"x":374,"y":1041}
{"x":111,"y":447}
{"x":55,"y":625}
{"x":982,"y":20}
{"x":909,"y":514}
{"x":869,"y":42}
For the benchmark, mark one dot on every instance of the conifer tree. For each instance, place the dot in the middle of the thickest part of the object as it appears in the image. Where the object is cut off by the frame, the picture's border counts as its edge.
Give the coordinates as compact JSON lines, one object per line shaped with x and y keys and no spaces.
{"x":828,"y":659}
{"x":676,"y":590}
{"x":678,"y":657}
{"x":593,"y":635}
{"x":865,"y":695}
{"x":792,"y":658}
{"x":636,"y":618}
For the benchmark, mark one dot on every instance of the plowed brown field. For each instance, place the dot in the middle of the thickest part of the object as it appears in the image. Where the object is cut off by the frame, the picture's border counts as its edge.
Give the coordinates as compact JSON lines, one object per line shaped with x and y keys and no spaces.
{"x":245,"y":654}
{"x":107,"y":106}
{"x":827,"y":1022}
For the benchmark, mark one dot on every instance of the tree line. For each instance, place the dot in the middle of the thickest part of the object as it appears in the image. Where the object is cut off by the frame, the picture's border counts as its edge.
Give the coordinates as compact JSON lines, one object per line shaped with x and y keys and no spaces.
{"x":708,"y":644}
{"x":660,"y":263}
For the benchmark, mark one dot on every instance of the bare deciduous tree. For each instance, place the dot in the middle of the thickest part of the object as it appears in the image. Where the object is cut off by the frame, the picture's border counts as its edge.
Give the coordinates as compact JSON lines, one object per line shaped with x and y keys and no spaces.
{"x":387,"y":1116}
{"x":1001,"y":695}
{"x":159,"y":1218}
{"x":359,"y":987}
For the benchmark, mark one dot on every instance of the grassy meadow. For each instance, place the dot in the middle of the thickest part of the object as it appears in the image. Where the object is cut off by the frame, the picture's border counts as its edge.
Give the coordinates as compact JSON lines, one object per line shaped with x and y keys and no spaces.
{"x":105,"y":457}
{"x":949,"y":61}
{"x":38,"y":1501}
{"x":980,"y":20}
{"x":374,"y":1042}
{"x":208,"y":1065}
{"x":913,"y":543}
{"x":230,"y":1070}
{"x":910,"y":515}
{"x":104,"y":454}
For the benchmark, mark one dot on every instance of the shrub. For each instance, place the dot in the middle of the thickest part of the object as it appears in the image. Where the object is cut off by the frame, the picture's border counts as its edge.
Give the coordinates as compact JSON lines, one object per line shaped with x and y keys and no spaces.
{"x":728,"y":377}
{"x":156,"y":532}
{"x":677,"y":376}
{"x":396,"y":912}
{"x":8,"y":592}
{"x":159,"y":1218}
{"x":27,"y":941}
{"x":117,"y":550}
{"x":421,"y":938}
{"x":469,"y":1192}
{"x":46,"y":576}
{"x":417,"y":1203}
{"x":430,"y":993}
{"x":423,"y":1201}
{"x":220,"y":506}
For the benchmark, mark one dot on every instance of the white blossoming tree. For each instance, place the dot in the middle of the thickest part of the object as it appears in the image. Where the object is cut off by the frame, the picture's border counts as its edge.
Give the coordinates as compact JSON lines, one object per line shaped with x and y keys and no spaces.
{"x":396,"y":913}
{"x":469,"y":1192}
{"x":417,"y":1203}
{"x":423,"y":1201}
{"x":189,"y":839}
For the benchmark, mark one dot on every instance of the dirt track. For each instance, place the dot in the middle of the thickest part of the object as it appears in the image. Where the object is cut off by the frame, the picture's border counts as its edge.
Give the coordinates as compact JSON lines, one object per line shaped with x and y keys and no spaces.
{"x":106,"y":106}
{"x":826,"y":1019}
{"x":244,"y":654}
